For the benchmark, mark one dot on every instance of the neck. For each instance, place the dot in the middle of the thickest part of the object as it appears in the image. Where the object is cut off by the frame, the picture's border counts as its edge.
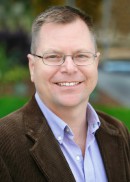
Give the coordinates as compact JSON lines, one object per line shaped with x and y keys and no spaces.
{"x":75,"y":117}
{"x":76,"y":120}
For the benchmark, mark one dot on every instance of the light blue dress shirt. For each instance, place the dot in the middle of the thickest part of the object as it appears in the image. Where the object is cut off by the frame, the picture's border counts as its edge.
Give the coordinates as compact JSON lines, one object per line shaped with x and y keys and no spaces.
{"x":91,"y":167}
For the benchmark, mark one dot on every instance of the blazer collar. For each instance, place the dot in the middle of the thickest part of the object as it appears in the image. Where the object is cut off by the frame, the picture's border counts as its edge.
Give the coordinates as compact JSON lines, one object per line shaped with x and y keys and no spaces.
{"x":45,"y":150}
{"x":49,"y":157}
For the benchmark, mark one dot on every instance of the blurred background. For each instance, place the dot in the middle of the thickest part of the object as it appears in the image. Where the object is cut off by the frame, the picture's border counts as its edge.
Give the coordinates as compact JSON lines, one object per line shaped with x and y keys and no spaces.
{"x":112,"y":24}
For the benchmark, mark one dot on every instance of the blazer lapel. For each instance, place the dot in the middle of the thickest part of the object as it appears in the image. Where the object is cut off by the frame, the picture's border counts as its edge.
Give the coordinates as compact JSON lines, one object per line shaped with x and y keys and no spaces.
{"x":46,"y":151}
{"x":111,"y":145}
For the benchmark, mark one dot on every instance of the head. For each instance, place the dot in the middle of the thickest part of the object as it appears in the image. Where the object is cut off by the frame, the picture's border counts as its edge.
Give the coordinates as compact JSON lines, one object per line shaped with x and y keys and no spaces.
{"x":59,"y":15}
{"x":63,"y":31}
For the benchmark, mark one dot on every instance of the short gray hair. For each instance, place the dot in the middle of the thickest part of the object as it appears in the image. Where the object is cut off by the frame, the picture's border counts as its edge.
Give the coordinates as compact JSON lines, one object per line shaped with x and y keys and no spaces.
{"x":59,"y":15}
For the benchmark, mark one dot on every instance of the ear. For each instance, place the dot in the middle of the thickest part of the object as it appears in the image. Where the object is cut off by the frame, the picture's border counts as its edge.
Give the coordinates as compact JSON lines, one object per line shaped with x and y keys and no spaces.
{"x":31,"y":63}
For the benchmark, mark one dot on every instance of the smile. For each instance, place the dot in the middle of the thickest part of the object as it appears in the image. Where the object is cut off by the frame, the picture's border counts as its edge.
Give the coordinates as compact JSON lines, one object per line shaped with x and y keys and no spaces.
{"x":68,"y":84}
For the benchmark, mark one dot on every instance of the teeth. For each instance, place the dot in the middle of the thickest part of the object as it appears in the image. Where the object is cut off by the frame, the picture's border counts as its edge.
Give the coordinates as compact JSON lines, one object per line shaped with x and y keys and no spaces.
{"x":68,"y":84}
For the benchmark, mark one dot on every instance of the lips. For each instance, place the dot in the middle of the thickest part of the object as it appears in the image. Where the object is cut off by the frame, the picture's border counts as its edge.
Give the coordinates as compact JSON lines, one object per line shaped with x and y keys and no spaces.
{"x":68,"y":84}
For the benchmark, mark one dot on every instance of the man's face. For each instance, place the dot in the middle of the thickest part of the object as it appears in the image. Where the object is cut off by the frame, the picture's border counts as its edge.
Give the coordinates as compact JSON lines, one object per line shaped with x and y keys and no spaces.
{"x":66,"y":85}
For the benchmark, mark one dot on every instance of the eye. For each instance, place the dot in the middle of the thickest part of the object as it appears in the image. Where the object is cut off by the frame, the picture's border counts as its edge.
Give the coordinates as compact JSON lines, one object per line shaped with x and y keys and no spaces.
{"x":51,"y":56}
{"x":82,"y":56}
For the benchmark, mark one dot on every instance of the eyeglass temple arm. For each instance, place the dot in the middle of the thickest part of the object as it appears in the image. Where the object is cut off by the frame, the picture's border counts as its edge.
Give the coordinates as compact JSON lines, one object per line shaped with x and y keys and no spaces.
{"x":37,"y":55}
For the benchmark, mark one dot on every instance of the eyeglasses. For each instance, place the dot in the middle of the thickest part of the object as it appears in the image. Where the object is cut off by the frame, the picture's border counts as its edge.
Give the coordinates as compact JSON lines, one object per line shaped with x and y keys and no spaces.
{"x":57,"y":59}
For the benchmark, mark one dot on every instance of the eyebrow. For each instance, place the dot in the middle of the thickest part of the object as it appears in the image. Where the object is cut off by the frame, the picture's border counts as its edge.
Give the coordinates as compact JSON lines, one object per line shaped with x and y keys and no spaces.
{"x":52,"y":51}
{"x":59,"y":51}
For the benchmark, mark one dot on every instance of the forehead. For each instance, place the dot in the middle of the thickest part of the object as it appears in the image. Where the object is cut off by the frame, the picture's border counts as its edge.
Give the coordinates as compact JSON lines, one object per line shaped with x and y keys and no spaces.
{"x":70,"y":35}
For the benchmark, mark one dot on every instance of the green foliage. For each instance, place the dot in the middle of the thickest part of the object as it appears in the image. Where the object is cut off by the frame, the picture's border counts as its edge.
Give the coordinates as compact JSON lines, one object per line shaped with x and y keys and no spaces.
{"x":17,"y":74}
{"x":3,"y":60}
{"x":3,"y":63}
{"x":10,"y":73}
{"x":121,"y":113}
{"x":15,"y":14}
{"x":22,"y":12}
{"x":8,"y":104}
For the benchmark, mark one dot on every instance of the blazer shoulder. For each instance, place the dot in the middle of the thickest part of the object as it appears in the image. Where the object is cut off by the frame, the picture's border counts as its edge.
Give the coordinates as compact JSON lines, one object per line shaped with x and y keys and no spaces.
{"x":114,"y":125}
{"x":11,"y":118}
{"x":10,"y":125}
{"x":16,"y":125}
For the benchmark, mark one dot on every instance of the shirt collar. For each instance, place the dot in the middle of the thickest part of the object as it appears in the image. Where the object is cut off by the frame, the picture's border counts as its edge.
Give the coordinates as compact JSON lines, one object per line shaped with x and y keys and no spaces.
{"x":59,"y":127}
{"x":93,"y":120}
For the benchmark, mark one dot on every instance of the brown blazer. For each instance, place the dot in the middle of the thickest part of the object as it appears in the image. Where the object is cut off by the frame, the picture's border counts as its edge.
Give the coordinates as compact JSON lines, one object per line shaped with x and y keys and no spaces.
{"x":29,"y":151}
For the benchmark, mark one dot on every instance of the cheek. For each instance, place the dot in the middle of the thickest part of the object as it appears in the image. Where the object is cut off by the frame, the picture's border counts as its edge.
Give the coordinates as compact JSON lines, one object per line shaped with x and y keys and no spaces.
{"x":92,"y":72}
{"x":36,"y":75}
{"x":35,"y":71}
{"x":91,"y":77}
{"x":95,"y":75}
{"x":39,"y":76}
{"x":43,"y":75}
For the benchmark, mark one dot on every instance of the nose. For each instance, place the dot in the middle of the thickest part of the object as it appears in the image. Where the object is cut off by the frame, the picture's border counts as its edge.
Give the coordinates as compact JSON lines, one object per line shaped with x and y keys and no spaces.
{"x":68,"y":66}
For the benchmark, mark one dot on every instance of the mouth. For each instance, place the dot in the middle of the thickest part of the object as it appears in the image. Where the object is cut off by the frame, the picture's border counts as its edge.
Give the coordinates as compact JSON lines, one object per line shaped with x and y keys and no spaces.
{"x":68,"y":84}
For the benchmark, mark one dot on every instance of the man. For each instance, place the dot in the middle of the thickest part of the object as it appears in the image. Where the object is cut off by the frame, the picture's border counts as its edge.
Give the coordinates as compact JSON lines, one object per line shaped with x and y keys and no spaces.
{"x":58,"y":136}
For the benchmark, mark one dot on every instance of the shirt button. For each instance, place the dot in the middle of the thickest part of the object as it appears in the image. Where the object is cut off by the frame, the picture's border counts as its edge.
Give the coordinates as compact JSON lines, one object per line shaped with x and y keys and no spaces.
{"x":77,"y":158}
{"x":67,"y":130}
{"x":59,"y":138}
{"x":94,"y":125}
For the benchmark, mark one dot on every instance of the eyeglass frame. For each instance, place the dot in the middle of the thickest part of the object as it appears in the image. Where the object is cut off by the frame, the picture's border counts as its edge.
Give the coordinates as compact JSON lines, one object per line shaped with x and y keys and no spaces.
{"x":64,"y":58}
